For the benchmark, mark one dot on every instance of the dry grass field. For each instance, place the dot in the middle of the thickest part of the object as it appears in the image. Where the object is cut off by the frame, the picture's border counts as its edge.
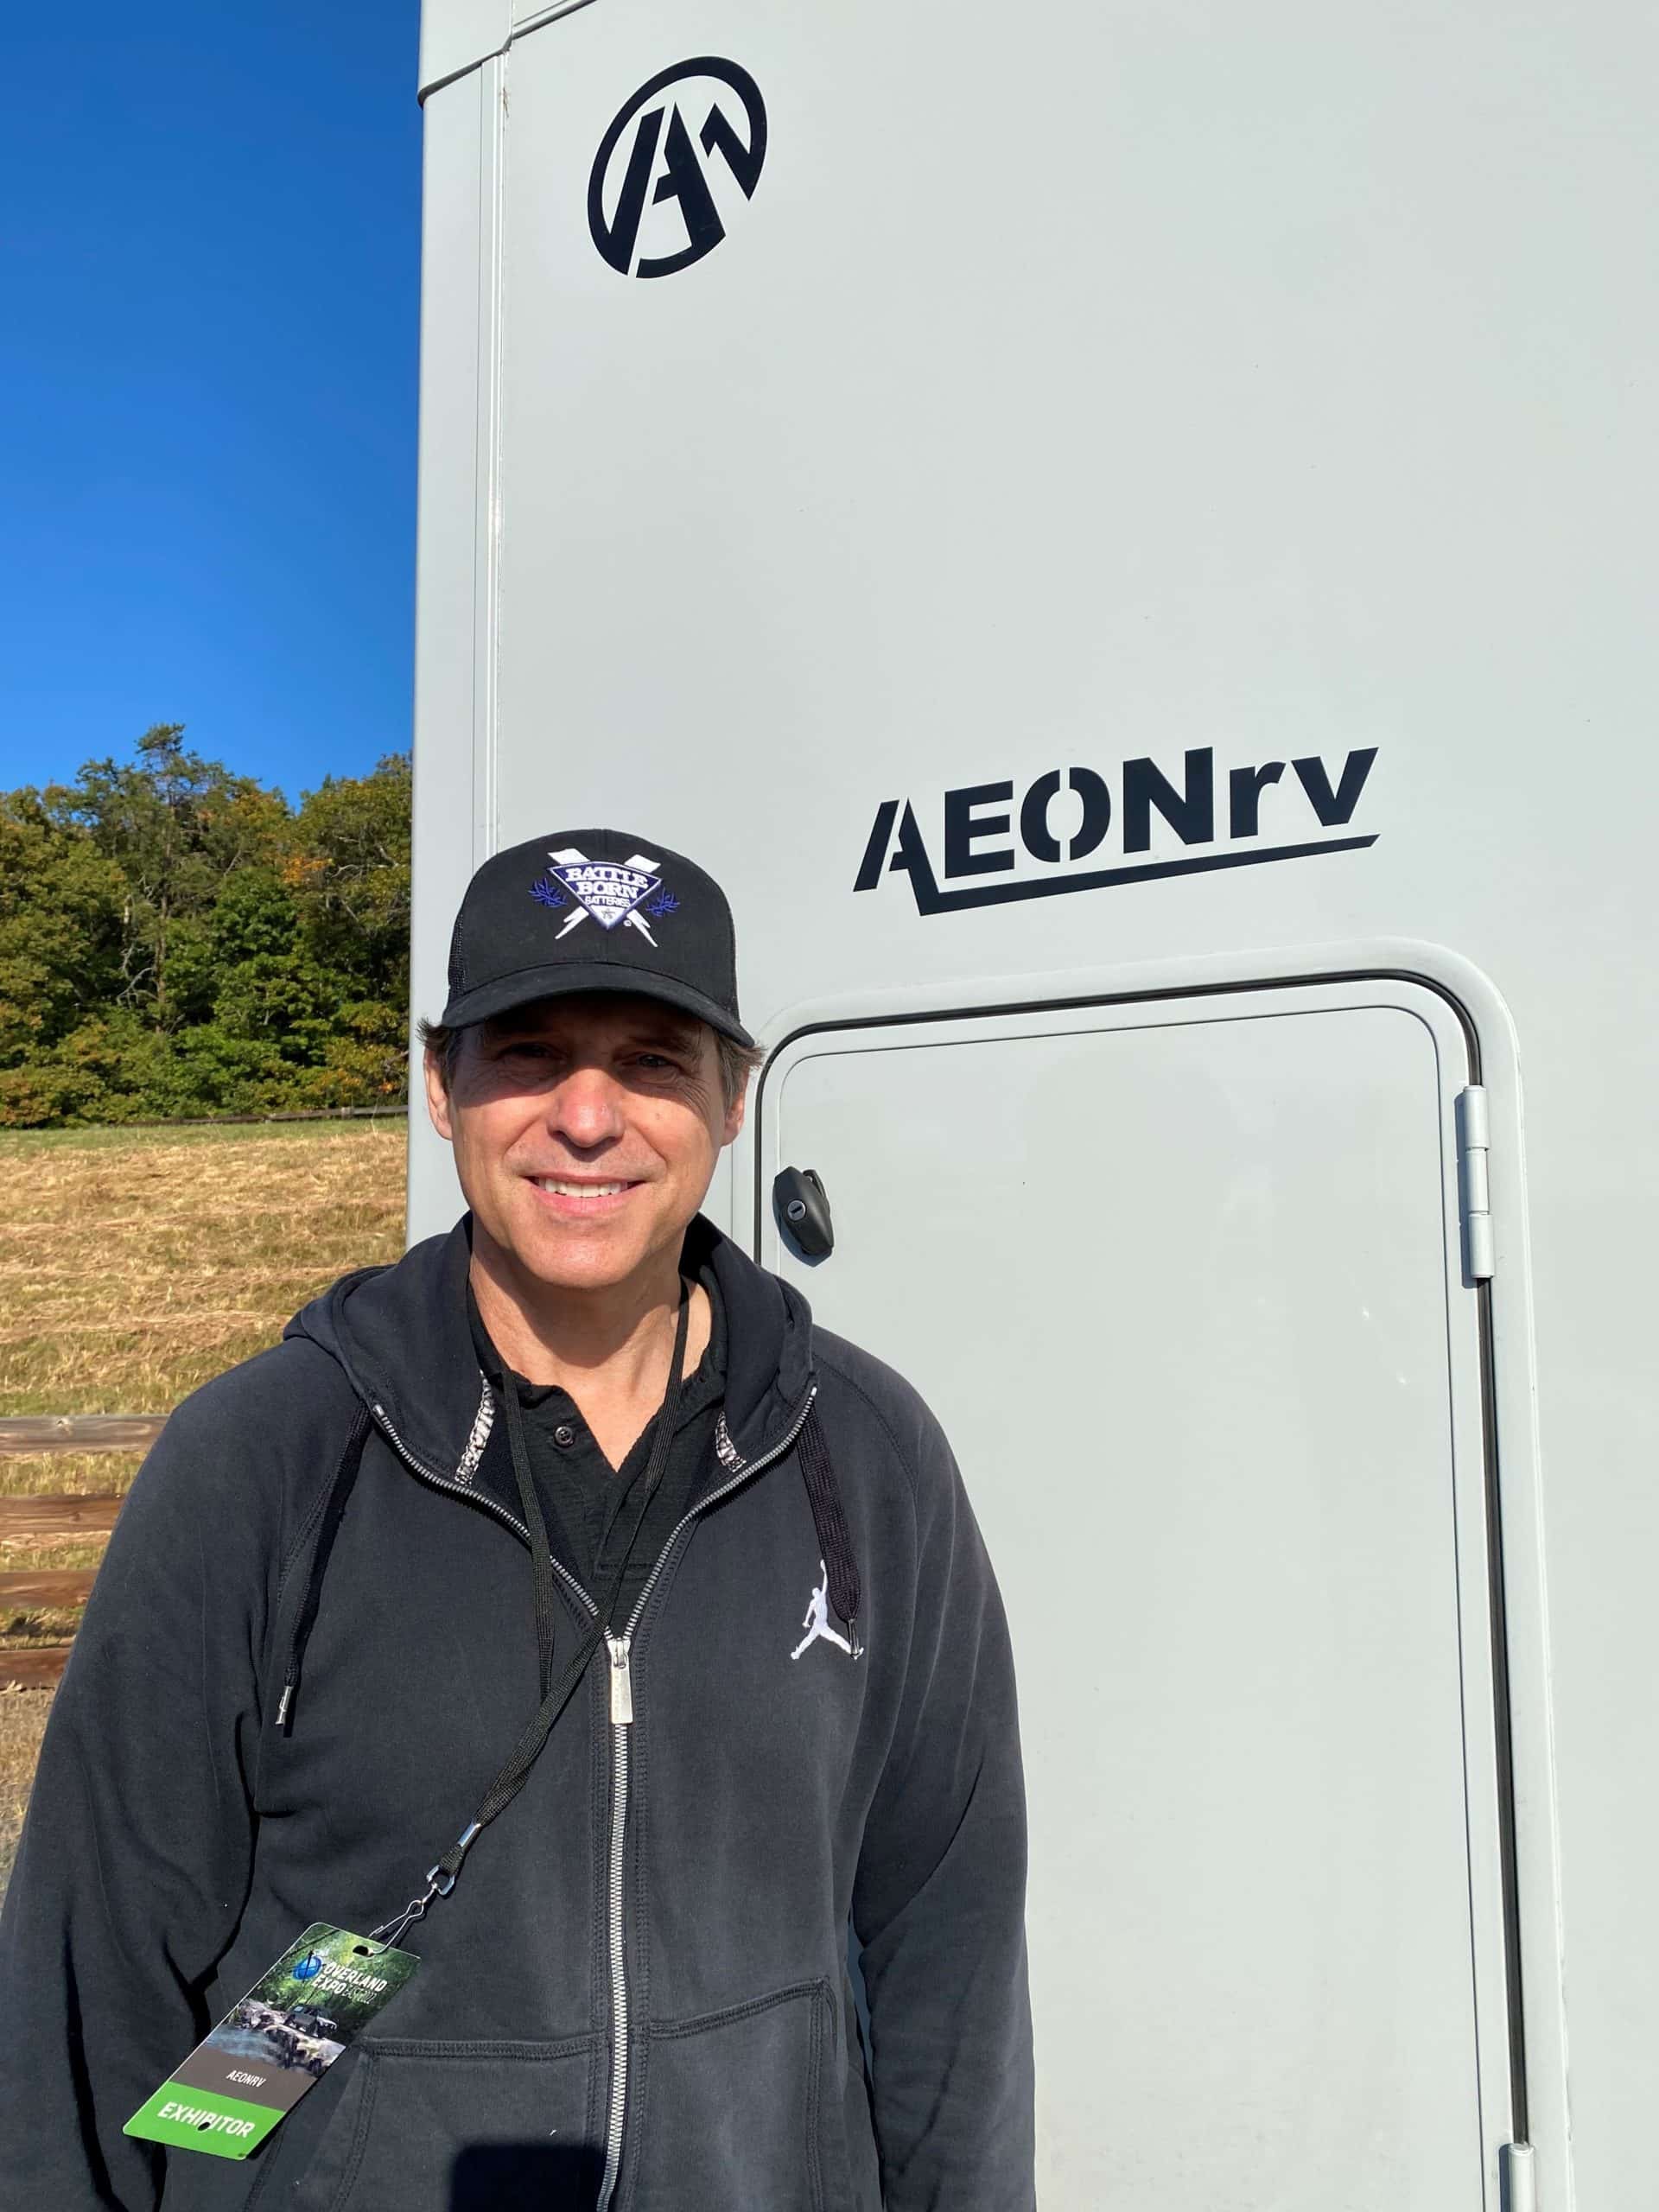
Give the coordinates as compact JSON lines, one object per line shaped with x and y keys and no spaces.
{"x":135,"y":1264}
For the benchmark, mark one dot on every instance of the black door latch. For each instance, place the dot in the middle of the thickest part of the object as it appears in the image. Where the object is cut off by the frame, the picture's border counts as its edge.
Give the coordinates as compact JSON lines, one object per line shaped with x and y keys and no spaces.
{"x":803,"y":1207}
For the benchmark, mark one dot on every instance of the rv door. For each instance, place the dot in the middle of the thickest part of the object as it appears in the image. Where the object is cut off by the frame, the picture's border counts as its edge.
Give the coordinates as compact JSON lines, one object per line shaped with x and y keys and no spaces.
{"x":1184,"y":1281}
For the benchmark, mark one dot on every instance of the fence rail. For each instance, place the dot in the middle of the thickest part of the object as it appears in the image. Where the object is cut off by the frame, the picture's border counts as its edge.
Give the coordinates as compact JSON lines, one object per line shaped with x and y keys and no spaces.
{"x":22,"y":1517}
{"x":29,"y":1522}
{"x":397,"y":1113}
{"x":79,"y":1432}
{"x":47,"y":1585}
{"x":39,"y":1668}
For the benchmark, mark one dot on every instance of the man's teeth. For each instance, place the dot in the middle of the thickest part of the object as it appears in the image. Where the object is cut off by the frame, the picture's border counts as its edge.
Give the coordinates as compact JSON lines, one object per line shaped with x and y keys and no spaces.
{"x":579,"y":1190}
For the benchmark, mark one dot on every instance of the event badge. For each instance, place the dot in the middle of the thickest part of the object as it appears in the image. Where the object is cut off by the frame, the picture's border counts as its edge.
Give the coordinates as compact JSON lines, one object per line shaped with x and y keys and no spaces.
{"x":267,"y":2051}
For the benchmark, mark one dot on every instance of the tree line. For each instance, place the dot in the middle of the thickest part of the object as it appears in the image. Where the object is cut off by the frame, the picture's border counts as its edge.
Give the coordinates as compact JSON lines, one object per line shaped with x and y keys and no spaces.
{"x":176,"y":940}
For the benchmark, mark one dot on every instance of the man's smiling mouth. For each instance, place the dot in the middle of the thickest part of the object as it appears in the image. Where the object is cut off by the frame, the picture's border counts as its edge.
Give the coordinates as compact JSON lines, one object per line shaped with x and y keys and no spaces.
{"x":561,"y":1187}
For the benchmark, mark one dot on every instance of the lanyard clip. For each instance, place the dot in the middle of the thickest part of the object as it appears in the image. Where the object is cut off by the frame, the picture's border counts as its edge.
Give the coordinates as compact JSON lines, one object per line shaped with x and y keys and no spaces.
{"x":440,"y":1880}
{"x":394,"y":1930}
{"x":391,"y":1932}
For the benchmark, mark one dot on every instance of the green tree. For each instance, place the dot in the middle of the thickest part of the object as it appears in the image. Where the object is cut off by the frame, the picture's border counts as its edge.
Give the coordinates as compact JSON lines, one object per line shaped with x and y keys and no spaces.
{"x":174,"y":825}
{"x":176,"y":940}
{"x":60,"y":927}
{"x":351,"y":870}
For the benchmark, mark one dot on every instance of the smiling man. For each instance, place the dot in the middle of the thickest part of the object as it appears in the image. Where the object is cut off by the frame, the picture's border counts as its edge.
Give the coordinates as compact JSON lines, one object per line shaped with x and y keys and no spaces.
{"x":497,"y":1567}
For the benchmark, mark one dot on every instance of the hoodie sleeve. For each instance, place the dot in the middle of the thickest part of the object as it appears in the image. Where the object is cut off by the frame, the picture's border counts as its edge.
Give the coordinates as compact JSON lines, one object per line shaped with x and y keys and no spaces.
{"x":938,"y":1903}
{"x":136,"y":1851}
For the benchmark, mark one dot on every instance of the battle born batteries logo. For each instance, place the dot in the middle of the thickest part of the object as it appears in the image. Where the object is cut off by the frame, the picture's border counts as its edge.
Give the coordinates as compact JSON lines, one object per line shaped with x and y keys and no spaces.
{"x":612,"y":891}
{"x":659,"y":155}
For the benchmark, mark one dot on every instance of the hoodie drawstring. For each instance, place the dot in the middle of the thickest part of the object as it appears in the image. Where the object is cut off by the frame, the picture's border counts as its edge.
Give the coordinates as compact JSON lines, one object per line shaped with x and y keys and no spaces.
{"x":344,"y":1478}
{"x":830,"y":1519}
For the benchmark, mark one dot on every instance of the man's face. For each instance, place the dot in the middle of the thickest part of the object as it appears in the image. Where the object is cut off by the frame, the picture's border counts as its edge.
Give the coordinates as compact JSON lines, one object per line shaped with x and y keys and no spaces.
{"x":586,"y":1131}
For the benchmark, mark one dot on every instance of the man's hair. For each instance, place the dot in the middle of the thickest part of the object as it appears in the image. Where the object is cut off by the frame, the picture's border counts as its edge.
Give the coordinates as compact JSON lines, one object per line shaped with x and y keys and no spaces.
{"x":736,"y":1061}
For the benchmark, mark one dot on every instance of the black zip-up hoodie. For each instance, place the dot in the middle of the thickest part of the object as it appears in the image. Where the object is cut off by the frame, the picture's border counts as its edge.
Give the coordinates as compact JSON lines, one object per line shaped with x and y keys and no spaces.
{"x":681,"y":2002}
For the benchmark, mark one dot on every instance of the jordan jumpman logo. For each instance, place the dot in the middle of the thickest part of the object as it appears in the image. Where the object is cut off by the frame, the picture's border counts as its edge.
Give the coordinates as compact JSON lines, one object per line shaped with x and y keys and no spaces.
{"x":816,"y":1622}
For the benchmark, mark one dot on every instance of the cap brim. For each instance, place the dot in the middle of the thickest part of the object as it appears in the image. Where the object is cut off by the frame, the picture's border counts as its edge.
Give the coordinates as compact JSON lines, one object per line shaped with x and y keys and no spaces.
{"x":575,"y":978}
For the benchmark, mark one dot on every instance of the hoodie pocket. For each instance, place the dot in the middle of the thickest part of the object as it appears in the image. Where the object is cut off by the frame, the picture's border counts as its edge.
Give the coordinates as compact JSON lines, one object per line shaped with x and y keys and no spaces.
{"x":739,"y":2109}
{"x":459,"y":2127}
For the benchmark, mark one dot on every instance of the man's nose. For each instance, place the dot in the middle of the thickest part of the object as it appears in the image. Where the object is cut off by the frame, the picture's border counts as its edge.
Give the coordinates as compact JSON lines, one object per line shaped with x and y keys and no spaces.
{"x":587,"y":1108}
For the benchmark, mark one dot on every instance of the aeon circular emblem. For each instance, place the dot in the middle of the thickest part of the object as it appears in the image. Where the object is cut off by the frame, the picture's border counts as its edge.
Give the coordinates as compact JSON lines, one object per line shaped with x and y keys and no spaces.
{"x":651,"y":197}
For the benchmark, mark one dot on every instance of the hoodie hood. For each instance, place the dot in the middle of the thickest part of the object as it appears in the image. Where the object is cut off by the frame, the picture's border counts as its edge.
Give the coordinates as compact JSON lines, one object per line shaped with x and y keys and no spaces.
{"x":400,"y":1335}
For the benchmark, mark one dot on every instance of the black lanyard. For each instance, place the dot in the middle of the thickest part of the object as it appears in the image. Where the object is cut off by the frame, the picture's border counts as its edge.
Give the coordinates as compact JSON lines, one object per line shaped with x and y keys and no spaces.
{"x":555,"y":1693}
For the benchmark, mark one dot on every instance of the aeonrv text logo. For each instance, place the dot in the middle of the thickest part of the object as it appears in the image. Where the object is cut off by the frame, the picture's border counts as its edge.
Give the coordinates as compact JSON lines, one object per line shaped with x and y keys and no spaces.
{"x":1065,"y":814}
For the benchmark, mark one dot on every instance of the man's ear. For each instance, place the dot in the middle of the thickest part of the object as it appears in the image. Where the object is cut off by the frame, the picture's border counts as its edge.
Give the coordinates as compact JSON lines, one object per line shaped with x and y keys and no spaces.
{"x":734,"y":1113}
{"x":437,"y":1098}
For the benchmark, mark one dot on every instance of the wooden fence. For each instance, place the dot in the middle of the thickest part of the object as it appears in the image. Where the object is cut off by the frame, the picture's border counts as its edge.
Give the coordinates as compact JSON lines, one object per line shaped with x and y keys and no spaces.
{"x":39,"y":1666}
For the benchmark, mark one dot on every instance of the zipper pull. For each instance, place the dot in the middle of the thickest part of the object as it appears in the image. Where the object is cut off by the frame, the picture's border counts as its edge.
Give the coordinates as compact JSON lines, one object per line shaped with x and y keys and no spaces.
{"x":621,"y":1683}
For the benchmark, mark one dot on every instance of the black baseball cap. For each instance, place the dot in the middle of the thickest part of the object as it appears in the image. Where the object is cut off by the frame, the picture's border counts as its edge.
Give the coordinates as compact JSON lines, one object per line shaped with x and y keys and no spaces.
{"x":594,"y":910}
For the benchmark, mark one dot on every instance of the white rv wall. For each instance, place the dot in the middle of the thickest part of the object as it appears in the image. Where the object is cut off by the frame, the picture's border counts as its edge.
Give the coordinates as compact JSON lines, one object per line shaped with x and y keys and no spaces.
{"x":1090,"y":386}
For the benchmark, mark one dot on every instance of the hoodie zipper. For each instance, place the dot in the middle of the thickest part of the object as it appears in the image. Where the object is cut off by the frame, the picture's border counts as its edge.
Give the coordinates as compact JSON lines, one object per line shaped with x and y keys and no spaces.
{"x":435,"y":1481}
{"x":444,"y":1482}
{"x":620,"y":1651}
{"x":621,"y":1648}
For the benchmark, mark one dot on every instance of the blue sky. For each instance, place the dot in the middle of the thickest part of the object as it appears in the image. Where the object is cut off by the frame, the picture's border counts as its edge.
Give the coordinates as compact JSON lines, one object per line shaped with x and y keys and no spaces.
{"x":210,"y":255}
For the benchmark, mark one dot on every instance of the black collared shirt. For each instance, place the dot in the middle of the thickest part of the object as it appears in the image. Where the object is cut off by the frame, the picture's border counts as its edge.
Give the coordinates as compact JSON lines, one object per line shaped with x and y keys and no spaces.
{"x":589,"y":1504}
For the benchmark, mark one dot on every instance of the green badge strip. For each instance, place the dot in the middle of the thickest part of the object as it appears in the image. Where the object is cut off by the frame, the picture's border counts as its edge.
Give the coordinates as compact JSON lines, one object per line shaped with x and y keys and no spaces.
{"x":275,"y":2044}
{"x":201,"y":2119}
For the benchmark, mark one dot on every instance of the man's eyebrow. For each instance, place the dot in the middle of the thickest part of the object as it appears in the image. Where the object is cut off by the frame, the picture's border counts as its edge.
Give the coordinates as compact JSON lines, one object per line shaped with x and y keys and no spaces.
{"x":681,"y":1034}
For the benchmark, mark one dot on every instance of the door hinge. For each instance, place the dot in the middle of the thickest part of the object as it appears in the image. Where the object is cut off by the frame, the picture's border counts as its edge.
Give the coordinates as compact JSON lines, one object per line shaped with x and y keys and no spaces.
{"x":1514,"y":2174}
{"x":1474,"y":1199}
